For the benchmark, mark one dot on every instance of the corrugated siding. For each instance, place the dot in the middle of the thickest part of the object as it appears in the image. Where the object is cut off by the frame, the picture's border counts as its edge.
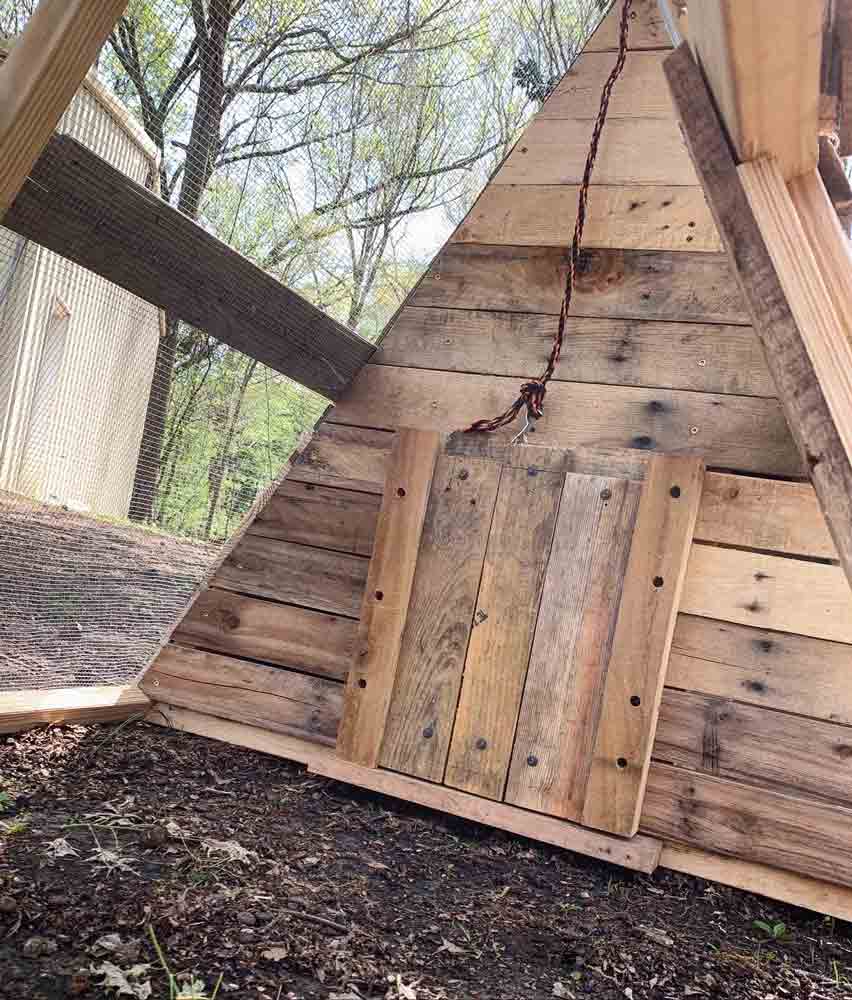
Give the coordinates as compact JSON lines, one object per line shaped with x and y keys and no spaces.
{"x":80,"y":447}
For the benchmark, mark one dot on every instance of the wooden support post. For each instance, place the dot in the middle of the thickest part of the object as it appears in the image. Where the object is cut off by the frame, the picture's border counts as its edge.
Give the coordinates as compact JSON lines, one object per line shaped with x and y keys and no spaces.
{"x":761,"y":59}
{"x":40,"y":76}
{"x":799,"y":390}
{"x":25,"y":709}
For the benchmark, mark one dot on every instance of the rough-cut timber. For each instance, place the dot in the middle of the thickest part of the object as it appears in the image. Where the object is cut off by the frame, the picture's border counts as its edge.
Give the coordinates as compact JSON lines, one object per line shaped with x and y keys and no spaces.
{"x":39,"y":77}
{"x":25,"y":709}
{"x":801,"y":395}
{"x":386,"y":596}
{"x":79,"y":206}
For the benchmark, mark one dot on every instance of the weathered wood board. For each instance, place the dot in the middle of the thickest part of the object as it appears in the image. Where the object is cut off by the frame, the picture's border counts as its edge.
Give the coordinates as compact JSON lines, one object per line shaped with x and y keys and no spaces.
{"x":537,"y":602}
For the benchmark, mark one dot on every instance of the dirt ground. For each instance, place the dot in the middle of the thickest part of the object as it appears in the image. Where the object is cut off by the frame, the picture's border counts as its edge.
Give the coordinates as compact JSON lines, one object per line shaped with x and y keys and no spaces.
{"x":291,"y":886}
{"x":86,"y":601}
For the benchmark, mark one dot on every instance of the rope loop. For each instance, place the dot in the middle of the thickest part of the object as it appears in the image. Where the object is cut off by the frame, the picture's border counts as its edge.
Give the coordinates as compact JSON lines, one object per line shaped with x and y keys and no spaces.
{"x":533,"y":392}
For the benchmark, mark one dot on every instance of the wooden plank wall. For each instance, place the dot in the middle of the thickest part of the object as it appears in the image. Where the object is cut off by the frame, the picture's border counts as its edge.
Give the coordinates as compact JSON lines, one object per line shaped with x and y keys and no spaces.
{"x":659,"y":355}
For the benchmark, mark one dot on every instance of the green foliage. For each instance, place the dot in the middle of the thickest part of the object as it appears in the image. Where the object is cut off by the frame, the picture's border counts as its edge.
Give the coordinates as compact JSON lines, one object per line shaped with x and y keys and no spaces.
{"x":5,"y":802}
{"x":774,"y":931}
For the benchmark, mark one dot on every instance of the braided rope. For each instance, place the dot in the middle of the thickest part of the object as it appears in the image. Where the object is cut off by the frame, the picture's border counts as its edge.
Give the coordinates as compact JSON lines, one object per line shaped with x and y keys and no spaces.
{"x":533,"y":392}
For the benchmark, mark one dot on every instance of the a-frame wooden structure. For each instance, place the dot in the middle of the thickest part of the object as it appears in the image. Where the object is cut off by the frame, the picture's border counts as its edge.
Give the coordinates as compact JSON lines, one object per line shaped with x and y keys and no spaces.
{"x":732,"y":717}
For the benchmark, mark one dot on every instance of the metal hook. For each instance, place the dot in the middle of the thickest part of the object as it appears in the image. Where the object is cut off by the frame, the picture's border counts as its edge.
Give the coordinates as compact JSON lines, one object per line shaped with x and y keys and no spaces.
{"x":524,"y":429}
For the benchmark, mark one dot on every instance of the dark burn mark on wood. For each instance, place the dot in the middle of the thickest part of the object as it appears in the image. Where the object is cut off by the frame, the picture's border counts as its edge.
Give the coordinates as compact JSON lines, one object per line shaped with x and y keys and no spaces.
{"x":634,"y":205}
{"x":758,"y":687}
{"x":643,"y":441}
{"x":655,"y":406}
{"x":760,"y":576}
{"x":754,"y":606}
{"x":763,"y":645}
{"x":843,"y":750}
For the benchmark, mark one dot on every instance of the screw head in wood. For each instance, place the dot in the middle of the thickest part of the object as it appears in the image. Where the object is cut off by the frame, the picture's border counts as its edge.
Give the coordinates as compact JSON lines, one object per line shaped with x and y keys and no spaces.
{"x":674,"y":492}
{"x":481,"y":743}
{"x":532,"y":760}
{"x":702,"y":363}
{"x":428,"y":732}
{"x":693,"y":430}
{"x":606,"y":494}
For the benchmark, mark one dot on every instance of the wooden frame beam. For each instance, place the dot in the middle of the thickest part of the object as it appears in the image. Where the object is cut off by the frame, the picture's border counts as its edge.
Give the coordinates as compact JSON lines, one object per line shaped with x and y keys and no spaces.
{"x":21,"y":710}
{"x":800,"y":392}
{"x":81,"y":207}
{"x":762,"y":61}
{"x":42,"y":72}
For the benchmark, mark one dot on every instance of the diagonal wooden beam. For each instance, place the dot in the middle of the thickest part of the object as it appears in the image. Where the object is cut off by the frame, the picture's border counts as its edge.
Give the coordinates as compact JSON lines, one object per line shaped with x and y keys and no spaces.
{"x":81,"y":207}
{"x":799,"y":390}
{"x":39,"y":77}
{"x":761,"y":59}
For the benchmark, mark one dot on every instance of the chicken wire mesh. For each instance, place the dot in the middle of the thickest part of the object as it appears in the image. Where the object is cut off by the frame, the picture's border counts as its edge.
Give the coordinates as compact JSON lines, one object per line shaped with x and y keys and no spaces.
{"x":335,"y":145}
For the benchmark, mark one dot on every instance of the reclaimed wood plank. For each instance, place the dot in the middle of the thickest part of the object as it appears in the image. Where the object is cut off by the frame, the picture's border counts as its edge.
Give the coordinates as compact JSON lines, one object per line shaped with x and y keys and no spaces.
{"x":768,"y":591}
{"x":702,"y":357}
{"x":763,"y":514}
{"x":641,"y":853}
{"x":640,"y":91}
{"x":639,"y":217}
{"x":295,"y":574}
{"x":322,"y":516}
{"x":631,"y":151}
{"x":386,"y":596}
{"x":647,"y":29}
{"x":82,"y":208}
{"x":804,"y":401}
{"x":765,"y":880}
{"x":440,"y":613}
{"x":20,"y":710}
{"x":573,"y":638}
{"x":499,"y":647}
{"x":312,"y":641}
{"x":353,"y":457}
{"x":734,"y":432}
{"x":753,"y":824}
{"x":653,"y":583}
{"x":269,"y":697}
{"x":616,"y":284}
{"x":41,"y":74}
{"x":755,"y":745}
{"x":790,"y":673}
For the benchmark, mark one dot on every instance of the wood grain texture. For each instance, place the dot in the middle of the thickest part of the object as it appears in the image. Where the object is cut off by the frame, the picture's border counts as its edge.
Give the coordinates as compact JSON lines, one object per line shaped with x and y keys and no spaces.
{"x":312,"y":641}
{"x":647,"y":29}
{"x":437,"y":629}
{"x":499,"y":648}
{"x":631,"y":151}
{"x":39,"y":77}
{"x":640,"y":217}
{"x":752,"y":824}
{"x":239,"y":734}
{"x":295,"y":574}
{"x":268,"y":697}
{"x":734,"y":432}
{"x":763,"y":514}
{"x":20,"y":710}
{"x":640,"y":91}
{"x":616,"y":284}
{"x":573,"y":639}
{"x":386,"y":597}
{"x":653,"y":583}
{"x":762,"y":65}
{"x":799,"y":390}
{"x":767,"y":591}
{"x":702,"y":357}
{"x":641,"y":853}
{"x":82,"y":208}
{"x":354,"y":457}
{"x":790,"y":673}
{"x":765,"y":880}
{"x":326,"y":517}
{"x":814,"y":266}
{"x":755,"y":745}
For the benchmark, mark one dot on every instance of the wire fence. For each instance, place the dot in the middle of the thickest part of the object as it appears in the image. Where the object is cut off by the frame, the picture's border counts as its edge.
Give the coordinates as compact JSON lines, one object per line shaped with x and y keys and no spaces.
{"x":334,"y":144}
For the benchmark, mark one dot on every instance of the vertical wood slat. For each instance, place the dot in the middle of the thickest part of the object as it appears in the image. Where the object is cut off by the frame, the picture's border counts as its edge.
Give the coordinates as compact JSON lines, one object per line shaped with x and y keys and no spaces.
{"x":39,"y":77}
{"x":578,"y":612}
{"x":388,"y":591}
{"x":434,"y":643}
{"x":643,"y":635}
{"x":499,"y":649}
